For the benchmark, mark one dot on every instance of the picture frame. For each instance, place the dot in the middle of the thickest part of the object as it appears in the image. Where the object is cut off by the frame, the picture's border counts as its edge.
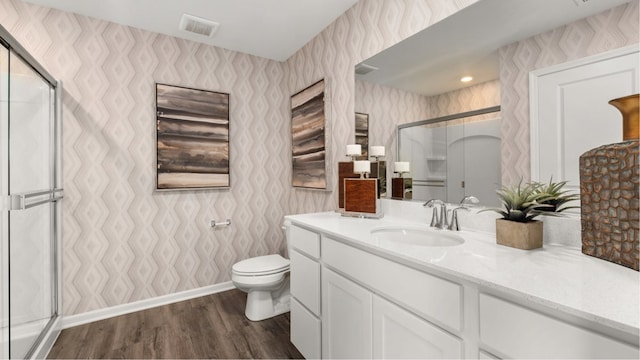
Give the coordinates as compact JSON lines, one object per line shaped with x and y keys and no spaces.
{"x":362,"y":134}
{"x":308,"y":138}
{"x":192,"y":138}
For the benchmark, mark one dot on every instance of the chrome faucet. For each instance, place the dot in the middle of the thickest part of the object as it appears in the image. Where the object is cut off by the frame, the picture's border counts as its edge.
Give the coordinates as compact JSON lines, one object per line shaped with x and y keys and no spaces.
{"x":438,"y":222}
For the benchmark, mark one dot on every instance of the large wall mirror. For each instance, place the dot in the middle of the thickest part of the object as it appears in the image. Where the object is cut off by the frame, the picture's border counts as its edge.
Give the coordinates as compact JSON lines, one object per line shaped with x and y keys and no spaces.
{"x":418,"y":81}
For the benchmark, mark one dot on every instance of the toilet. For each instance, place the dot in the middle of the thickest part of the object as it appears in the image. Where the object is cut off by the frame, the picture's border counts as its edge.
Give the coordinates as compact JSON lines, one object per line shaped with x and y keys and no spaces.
{"x":265,"y":279}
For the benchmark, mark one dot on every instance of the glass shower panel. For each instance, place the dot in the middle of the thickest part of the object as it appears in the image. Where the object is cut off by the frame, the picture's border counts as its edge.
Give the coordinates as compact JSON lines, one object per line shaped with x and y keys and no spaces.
{"x":4,"y":249}
{"x":31,"y":295}
{"x":425,"y":147}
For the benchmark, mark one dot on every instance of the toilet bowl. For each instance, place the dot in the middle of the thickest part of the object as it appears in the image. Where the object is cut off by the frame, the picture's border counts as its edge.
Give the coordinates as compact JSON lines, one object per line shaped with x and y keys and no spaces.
{"x":265,"y":280}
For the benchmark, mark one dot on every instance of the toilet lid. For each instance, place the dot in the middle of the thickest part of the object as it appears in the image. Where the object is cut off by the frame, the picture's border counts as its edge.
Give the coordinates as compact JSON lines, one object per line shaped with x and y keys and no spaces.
{"x":261,"y":265}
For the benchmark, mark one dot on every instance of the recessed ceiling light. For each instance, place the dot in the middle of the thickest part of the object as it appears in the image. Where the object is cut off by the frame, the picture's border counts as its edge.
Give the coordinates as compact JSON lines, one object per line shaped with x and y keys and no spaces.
{"x":466,"y":79}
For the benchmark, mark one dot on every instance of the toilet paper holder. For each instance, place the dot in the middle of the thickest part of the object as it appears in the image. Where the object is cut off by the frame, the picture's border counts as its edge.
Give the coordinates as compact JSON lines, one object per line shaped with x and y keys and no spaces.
{"x":215,"y":224}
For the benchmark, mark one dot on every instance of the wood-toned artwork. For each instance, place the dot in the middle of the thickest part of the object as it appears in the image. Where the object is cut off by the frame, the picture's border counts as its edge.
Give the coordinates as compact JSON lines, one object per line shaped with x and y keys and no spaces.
{"x":362,"y":134}
{"x":192,"y":131}
{"x":308,"y":137}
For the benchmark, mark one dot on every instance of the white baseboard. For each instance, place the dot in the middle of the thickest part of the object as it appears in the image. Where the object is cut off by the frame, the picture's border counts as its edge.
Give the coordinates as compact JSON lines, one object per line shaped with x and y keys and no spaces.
{"x":101,"y":314}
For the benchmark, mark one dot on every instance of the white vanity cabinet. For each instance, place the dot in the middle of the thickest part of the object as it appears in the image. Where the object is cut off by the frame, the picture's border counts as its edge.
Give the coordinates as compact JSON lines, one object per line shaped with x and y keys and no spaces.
{"x":304,"y":253}
{"x":352,"y":300}
{"x":358,"y":322}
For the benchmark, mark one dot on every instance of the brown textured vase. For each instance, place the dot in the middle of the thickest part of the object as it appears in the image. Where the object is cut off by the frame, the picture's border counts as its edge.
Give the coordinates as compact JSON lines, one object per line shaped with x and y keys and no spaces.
{"x":610,"y":193}
{"x":629,"y":106}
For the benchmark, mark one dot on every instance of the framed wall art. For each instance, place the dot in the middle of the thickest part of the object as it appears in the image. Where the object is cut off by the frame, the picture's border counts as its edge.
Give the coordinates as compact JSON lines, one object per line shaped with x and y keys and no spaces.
{"x":192,"y":133}
{"x":308,"y":124}
{"x":362,"y":134}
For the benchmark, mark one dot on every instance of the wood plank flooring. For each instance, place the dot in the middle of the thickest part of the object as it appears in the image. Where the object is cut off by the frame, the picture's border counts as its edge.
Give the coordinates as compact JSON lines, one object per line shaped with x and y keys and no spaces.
{"x":209,"y":327}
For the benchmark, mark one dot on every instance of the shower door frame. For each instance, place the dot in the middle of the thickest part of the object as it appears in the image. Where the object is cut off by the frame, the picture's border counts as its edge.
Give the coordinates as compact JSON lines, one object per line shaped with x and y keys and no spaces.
{"x":51,"y":331}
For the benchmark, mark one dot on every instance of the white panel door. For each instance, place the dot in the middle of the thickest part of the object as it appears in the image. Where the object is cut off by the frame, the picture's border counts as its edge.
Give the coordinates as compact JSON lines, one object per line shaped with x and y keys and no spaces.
{"x":570,"y":113}
{"x":482,"y":174}
{"x":346,"y":318}
{"x":398,"y":334}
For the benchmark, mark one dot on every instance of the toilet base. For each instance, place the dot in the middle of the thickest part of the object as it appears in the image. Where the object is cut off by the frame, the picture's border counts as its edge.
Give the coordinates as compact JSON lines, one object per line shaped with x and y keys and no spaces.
{"x":263,"y":305}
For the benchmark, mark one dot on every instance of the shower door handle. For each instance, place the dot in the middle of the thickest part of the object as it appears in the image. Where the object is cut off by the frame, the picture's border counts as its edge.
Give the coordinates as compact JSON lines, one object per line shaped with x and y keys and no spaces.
{"x":26,"y":200}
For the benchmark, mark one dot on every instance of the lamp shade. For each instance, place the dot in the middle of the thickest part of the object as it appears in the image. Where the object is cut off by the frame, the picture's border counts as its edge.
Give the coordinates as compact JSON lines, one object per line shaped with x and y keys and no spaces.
{"x":377,"y":150}
{"x":354,"y":150}
{"x":401,"y":166}
{"x":363,"y":166}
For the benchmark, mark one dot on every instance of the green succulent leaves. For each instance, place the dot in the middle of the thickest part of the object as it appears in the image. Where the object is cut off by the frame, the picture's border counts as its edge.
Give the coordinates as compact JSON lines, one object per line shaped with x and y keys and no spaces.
{"x":522,"y":203}
{"x":556,"y":197}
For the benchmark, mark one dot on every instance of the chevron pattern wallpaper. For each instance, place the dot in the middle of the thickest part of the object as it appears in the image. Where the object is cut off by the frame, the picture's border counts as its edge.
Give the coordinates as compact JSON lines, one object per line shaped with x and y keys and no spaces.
{"x":474,"y":97}
{"x":369,"y":27}
{"x":123,"y":242}
{"x":387,"y":107}
{"x":612,"y":29}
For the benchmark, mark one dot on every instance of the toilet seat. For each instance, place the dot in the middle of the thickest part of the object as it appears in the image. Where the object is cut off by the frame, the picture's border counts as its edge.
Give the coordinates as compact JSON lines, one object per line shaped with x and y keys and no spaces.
{"x":261,"y":265}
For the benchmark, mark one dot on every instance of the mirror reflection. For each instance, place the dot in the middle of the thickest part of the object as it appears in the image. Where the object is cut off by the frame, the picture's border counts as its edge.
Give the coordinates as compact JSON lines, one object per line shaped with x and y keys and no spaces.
{"x":362,"y":135}
{"x":419,"y":80}
{"x":454,"y":156}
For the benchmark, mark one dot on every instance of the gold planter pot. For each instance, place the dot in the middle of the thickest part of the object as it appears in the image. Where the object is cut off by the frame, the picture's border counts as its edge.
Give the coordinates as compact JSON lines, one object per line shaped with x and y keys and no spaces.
{"x":525,"y":236}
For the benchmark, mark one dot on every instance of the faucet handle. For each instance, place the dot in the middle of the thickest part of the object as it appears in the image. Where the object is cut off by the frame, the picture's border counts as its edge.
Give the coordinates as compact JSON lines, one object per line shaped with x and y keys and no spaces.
{"x":469,"y":199}
{"x":433,"y":202}
{"x":454,"y":225}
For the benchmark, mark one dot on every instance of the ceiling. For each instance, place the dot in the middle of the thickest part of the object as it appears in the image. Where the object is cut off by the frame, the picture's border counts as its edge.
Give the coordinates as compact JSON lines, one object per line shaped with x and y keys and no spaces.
{"x":433,"y":61}
{"x":273,"y":29}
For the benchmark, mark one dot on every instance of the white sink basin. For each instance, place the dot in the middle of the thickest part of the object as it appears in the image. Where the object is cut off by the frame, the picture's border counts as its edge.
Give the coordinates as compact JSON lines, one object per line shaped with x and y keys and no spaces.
{"x":416,"y":236}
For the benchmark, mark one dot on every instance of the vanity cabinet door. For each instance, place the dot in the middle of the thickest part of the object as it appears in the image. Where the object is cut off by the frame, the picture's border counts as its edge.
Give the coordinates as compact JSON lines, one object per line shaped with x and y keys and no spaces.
{"x":398,"y":334}
{"x":346,"y":318}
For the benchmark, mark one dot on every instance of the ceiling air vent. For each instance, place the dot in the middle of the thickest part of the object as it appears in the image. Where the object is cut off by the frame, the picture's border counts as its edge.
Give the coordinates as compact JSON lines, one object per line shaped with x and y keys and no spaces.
{"x":196,"y":25}
{"x":581,"y":2}
{"x":362,"y":69}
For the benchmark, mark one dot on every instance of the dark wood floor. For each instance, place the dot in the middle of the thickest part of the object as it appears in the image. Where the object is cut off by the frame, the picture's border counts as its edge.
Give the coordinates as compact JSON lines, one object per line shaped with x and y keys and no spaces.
{"x":209,"y":327}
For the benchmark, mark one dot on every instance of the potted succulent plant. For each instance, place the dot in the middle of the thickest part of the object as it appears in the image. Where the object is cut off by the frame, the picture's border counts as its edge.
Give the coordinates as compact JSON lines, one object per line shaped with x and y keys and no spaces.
{"x":521,"y":204}
{"x":555,"y":197}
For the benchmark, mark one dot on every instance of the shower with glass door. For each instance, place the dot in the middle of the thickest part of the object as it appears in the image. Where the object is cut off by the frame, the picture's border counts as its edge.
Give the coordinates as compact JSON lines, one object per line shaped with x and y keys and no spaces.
{"x":30,"y":184}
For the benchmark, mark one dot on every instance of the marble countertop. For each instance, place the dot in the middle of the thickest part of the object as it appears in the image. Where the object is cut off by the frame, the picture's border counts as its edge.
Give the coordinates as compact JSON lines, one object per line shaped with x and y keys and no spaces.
{"x":557,"y":276}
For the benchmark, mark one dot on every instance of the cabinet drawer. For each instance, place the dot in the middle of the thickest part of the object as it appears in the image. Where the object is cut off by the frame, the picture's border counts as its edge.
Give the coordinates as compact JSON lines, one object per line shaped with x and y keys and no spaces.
{"x":519,"y":332}
{"x":305,"y":281}
{"x":305,"y":331}
{"x":305,"y":241}
{"x":435,"y":299}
